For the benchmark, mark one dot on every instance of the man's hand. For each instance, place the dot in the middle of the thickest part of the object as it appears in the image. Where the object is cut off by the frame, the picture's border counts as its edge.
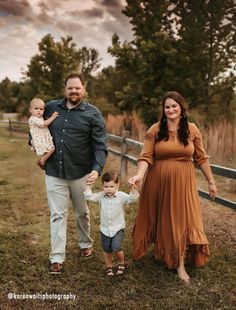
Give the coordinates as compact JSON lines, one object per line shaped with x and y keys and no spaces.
{"x":92,"y":177}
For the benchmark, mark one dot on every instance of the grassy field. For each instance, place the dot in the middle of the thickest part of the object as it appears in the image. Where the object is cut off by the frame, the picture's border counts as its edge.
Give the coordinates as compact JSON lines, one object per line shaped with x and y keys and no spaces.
{"x":25,"y":244}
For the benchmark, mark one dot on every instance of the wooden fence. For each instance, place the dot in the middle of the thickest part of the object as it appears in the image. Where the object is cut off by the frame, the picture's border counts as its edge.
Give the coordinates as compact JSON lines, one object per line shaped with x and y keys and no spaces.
{"x":125,"y":143}
{"x":15,"y":126}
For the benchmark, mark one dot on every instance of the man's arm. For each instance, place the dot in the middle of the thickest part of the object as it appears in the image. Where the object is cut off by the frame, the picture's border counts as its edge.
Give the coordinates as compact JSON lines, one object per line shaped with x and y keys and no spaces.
{"x":99,"y":145}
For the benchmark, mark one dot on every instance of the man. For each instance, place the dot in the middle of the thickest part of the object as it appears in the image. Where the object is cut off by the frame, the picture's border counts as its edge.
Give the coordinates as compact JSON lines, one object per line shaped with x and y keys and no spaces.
{"x":79,"y":136}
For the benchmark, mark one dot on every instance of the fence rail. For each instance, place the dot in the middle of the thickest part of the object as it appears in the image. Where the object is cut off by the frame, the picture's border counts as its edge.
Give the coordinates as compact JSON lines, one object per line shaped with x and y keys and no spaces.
{"x":124,"y":142}
{"x":15,"y":126}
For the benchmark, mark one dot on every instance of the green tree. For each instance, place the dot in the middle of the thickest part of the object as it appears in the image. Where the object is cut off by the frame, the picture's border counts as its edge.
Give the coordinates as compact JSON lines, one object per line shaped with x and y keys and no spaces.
{"x":48,"y":69}
{"x":8,"y":95}
{"x":24,"y":96}
{"x":206,"y":49}
{"x":180,"y":45}
{"x":103,"y":87}
{"x":148,"y":60}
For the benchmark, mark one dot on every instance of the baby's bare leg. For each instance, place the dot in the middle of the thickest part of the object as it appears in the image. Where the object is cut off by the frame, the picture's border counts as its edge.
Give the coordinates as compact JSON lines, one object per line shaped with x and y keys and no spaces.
{"x":46,"y":156}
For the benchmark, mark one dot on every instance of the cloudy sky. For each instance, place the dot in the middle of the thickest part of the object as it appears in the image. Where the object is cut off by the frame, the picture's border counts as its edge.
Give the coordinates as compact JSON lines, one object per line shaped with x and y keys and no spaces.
{"x":23,"y":23}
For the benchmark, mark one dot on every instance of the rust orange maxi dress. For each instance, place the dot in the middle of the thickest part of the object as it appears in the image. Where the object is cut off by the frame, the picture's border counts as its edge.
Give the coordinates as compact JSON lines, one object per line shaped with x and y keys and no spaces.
{"x":169,"y":213}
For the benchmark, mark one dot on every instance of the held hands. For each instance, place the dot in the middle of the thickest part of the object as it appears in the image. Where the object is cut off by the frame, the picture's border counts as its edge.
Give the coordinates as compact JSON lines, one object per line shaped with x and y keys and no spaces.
{"x":133,"y":190}
{"x":92,"y":177}
{"x":134,"y":181}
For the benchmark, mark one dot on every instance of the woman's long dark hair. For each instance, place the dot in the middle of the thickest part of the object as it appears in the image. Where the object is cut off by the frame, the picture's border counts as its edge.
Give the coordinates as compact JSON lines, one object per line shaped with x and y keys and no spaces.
{"x":183,"y":131}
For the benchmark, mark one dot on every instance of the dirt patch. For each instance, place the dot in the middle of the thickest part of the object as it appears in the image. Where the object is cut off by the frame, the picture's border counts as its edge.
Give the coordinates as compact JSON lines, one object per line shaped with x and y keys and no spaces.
{"x":219,"y":223}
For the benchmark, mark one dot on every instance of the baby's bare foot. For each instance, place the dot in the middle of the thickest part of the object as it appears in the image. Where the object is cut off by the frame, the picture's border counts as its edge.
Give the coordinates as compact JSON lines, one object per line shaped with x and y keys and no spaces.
{"x":41,"y":164}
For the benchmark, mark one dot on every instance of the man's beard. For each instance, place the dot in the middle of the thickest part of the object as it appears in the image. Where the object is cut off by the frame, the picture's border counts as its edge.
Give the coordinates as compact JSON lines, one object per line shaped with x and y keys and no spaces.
{"x":74,"y":99}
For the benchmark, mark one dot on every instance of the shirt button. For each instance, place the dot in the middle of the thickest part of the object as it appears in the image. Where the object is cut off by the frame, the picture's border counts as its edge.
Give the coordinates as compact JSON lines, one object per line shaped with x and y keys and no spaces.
{"x":65,"y":120}
{"x":61,"y":140}
{"x":63,"y":130}
{"x":60,"y":151}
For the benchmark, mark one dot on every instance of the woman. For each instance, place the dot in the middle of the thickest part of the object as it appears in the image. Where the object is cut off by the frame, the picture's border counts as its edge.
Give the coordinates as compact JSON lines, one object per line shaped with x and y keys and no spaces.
{"x":169,"y":213}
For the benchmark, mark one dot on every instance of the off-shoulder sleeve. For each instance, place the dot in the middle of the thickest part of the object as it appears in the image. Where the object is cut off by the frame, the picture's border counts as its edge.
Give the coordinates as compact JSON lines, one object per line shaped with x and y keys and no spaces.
{"x":147,"y":153}
{"x":199,"y":155}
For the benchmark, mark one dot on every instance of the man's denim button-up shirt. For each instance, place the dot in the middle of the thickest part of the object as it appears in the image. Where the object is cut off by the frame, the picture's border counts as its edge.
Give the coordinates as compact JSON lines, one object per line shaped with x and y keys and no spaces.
{"x":79,"y":136}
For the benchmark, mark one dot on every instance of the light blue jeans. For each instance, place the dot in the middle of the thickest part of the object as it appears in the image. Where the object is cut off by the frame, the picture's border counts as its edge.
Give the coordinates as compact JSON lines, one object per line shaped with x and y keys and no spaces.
{"x":59,"y":192}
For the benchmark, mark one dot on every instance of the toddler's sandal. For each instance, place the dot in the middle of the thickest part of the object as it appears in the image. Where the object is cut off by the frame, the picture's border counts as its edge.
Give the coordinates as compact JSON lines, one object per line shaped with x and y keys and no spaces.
{"x":109,"y":272}
{"x":120,"y":269}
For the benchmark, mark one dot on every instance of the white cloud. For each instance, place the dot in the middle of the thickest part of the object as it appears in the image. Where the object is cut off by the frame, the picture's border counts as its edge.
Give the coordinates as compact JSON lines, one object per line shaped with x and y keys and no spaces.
{"x":18,"y":44}
{"x":90,"y":23}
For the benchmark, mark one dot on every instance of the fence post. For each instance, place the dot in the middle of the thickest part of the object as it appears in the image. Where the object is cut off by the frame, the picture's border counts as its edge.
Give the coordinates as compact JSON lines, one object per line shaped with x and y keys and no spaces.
{"x":10,"y":126}
{"x":124,"y":161}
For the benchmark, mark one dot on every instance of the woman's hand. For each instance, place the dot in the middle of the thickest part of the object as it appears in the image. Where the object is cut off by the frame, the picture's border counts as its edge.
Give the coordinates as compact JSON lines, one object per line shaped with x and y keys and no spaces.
{"x":135,"y":180}
{"x":138,"y":178}
{"x":212,"y":189}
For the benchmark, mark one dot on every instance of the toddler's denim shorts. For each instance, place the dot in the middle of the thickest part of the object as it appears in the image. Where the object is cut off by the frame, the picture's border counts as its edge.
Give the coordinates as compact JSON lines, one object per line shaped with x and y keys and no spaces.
{"x":112,"y":244}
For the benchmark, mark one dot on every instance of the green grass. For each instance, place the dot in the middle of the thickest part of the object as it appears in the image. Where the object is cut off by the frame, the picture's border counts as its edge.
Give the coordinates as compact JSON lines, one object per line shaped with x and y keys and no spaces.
{"x":147,"y":284}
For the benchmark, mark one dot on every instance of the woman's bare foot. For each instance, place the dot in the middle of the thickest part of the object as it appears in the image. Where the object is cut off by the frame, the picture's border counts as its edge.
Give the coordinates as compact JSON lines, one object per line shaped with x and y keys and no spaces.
{"x":182,"y":273}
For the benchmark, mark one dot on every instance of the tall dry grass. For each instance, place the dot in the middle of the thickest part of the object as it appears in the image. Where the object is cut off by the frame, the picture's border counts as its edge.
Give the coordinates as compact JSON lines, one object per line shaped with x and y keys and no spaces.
{"x":219,"y":139}
{"x":220,"y":142}
{"x":117,"y":123}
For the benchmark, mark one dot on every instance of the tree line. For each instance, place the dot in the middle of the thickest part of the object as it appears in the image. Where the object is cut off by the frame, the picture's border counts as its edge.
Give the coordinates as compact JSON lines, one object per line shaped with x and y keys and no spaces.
{"x":187,"y":46}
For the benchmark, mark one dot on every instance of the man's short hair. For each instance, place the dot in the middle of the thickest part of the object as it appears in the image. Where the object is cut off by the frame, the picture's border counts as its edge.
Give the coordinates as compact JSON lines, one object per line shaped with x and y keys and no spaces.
{"x":74,"y":76}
